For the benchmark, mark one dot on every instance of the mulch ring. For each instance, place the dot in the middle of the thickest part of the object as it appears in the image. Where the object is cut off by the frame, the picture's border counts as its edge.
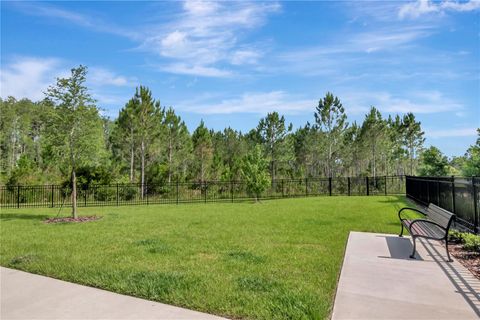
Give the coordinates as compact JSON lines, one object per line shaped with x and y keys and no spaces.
{"x":469,"y":259}
{"x":70,"y":219}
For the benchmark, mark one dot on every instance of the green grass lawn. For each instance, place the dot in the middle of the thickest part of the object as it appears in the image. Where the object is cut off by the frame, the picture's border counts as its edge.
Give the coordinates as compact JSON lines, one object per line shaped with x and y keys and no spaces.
{"x":278,"y":259}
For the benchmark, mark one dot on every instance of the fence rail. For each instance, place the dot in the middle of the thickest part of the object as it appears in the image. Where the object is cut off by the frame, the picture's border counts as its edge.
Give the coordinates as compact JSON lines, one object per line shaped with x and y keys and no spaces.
{"x":189,"y":192}
{"x":460,"y":195}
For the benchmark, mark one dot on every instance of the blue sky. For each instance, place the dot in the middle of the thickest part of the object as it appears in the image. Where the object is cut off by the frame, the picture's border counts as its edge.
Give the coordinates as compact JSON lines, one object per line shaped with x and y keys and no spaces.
{"x":230,"y":63}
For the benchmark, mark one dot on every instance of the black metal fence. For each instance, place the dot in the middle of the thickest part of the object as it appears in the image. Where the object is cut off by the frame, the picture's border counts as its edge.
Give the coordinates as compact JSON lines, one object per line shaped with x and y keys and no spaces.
{"x":189,"y":192}
{"x":460,"y":195}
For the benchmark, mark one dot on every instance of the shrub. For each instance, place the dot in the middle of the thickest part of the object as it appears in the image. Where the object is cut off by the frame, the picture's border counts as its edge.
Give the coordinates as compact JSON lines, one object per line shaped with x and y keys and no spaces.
{"x":471,"y":242}
{"x":455,"y":236}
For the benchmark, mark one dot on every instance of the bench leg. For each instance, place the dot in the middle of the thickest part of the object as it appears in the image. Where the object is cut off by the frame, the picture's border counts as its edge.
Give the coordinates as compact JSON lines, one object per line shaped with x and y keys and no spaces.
{"x":446,"y":248}
{"x":401,"y":233}
{"x":414,"y":247}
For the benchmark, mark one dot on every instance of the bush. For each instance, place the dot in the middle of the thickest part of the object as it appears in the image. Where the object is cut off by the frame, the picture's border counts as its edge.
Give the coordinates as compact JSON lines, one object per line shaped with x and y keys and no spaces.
{"x":455,"y":236}
{"x":471,"y":242}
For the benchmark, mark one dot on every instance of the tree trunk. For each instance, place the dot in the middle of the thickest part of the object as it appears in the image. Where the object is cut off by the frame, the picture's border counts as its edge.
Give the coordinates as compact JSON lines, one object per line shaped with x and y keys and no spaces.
{"x":329,"y":161}
{"x":132,"y":162}
{"x":374,"y":163}
{"x":74,"y":194}
{"x":143,"y":167}
{"x":411,"y":161}
{"x":169,"y":159}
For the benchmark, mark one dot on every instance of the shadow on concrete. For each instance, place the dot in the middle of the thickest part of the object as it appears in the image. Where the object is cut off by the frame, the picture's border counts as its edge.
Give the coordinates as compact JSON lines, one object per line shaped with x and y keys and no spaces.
{"x":465,"y":282}
{"x":400,"y":248}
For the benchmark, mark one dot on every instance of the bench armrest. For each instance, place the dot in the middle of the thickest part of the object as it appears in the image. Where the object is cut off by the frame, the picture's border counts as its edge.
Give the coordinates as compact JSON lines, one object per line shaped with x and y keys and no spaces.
{"x":408,"y":208}
{"x":426,"y":221}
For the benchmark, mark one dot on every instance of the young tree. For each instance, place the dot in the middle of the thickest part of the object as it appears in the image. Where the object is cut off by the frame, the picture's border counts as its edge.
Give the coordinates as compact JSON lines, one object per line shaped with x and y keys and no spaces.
{"x":274,"y":137}
{"x":75,"y":130}
{"x":412,"y":137}
{"x":433,"y":163}
{"x":471,"y":166}
{"x":254,"y":172}
{"x":203,"y":151}
{"x":331,"y":119}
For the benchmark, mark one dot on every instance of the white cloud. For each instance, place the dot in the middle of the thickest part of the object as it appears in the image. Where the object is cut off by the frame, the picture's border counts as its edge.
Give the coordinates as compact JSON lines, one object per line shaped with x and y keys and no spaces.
{"x":241,"y":57}
{"x":200,"y":7}
{"x":28,"y":77}
{"x":103,"y":77}
{"x":446,"y":133}
{"x":206,"y":34}
{"x":425,"y":102}
{"x":422,"y":7}
{"x":87,"y":21}
{"x":386,"y":39}
{"x":187,"y":69}
{"x":253,"y":102}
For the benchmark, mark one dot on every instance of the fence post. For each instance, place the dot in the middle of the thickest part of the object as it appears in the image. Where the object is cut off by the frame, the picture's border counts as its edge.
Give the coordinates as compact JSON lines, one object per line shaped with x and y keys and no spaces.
{"x":283,"y":190}
{"x":231,"y":190}
{"x":348,"y":183}
{"x":85,"y":197}
{"x":475,"y":206}
{"x":53,"y":188}
{"x":368,"y":190}
{"x":453,"y":194}
{"x":428,"y":191}
{"x":306,"y":187}
{"x":18,"y":196}
{"x":177,"y":191}
{"x":385,"y":185}
{"x":330,"y":186}
{"x":145,"y":190}
{"x":117,"y":195}
{"x":205,"y":186}
{"x":438,"y":192}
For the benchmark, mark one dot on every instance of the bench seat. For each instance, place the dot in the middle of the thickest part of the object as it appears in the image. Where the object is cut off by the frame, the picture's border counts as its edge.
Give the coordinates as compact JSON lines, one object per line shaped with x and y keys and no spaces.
{"x":425,"y":229}
{"x":435,"y":225}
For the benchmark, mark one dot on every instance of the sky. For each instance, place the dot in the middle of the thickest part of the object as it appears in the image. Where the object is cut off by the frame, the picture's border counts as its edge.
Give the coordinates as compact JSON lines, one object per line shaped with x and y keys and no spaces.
{"x":230,"y":63}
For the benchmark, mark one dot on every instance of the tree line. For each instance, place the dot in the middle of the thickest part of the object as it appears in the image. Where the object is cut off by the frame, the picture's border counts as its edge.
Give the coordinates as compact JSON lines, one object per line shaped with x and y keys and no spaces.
{"x":65,"y":139}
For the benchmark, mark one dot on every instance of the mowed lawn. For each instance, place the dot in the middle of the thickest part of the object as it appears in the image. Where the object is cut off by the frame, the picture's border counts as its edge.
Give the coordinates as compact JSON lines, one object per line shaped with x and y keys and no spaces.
{"x":278,"y":259}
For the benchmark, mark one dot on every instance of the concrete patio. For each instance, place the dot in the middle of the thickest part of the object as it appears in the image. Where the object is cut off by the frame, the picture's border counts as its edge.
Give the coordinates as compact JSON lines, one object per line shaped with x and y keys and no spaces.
{"x":28,"y":296}
{"x":379,"y":281}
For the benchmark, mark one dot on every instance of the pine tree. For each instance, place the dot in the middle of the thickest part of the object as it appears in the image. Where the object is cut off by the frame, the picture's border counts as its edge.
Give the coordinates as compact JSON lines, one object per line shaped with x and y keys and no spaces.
{"x":254,"y":172}
{"x":373,"y":134}
{"x":331,"y":119}
{"x":148,"y":115}
{"x":203,"y":151}
{"x":177,"y":145}
{"x":276,"y":142}
{"x":412,"y":137}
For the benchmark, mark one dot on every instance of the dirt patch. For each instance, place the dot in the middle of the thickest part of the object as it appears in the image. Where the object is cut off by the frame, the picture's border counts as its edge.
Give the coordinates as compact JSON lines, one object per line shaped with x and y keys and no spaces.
{"x":70,"y":219}
{"x":469,"y":259}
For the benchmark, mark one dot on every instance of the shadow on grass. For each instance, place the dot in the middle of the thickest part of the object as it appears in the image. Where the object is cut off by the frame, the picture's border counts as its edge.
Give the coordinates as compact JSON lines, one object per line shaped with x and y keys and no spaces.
{"x":22,"y":216}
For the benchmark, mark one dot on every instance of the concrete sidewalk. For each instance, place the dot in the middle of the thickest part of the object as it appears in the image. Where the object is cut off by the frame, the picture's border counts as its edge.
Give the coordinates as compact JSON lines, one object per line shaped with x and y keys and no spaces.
{"x":29,"y":296}
{"x":379,"y":281}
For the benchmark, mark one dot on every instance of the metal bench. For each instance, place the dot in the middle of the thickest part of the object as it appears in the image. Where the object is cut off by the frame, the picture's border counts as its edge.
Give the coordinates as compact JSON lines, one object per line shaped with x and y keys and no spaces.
{"x":434,"y":226}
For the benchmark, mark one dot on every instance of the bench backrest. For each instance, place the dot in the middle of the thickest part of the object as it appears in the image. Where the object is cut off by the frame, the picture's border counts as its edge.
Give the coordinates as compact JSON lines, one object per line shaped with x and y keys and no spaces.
{"x":439,"y":215}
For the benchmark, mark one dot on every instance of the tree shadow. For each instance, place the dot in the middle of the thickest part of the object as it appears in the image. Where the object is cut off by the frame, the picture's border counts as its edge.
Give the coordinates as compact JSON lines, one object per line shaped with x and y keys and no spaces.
{"x":22,"y":216}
